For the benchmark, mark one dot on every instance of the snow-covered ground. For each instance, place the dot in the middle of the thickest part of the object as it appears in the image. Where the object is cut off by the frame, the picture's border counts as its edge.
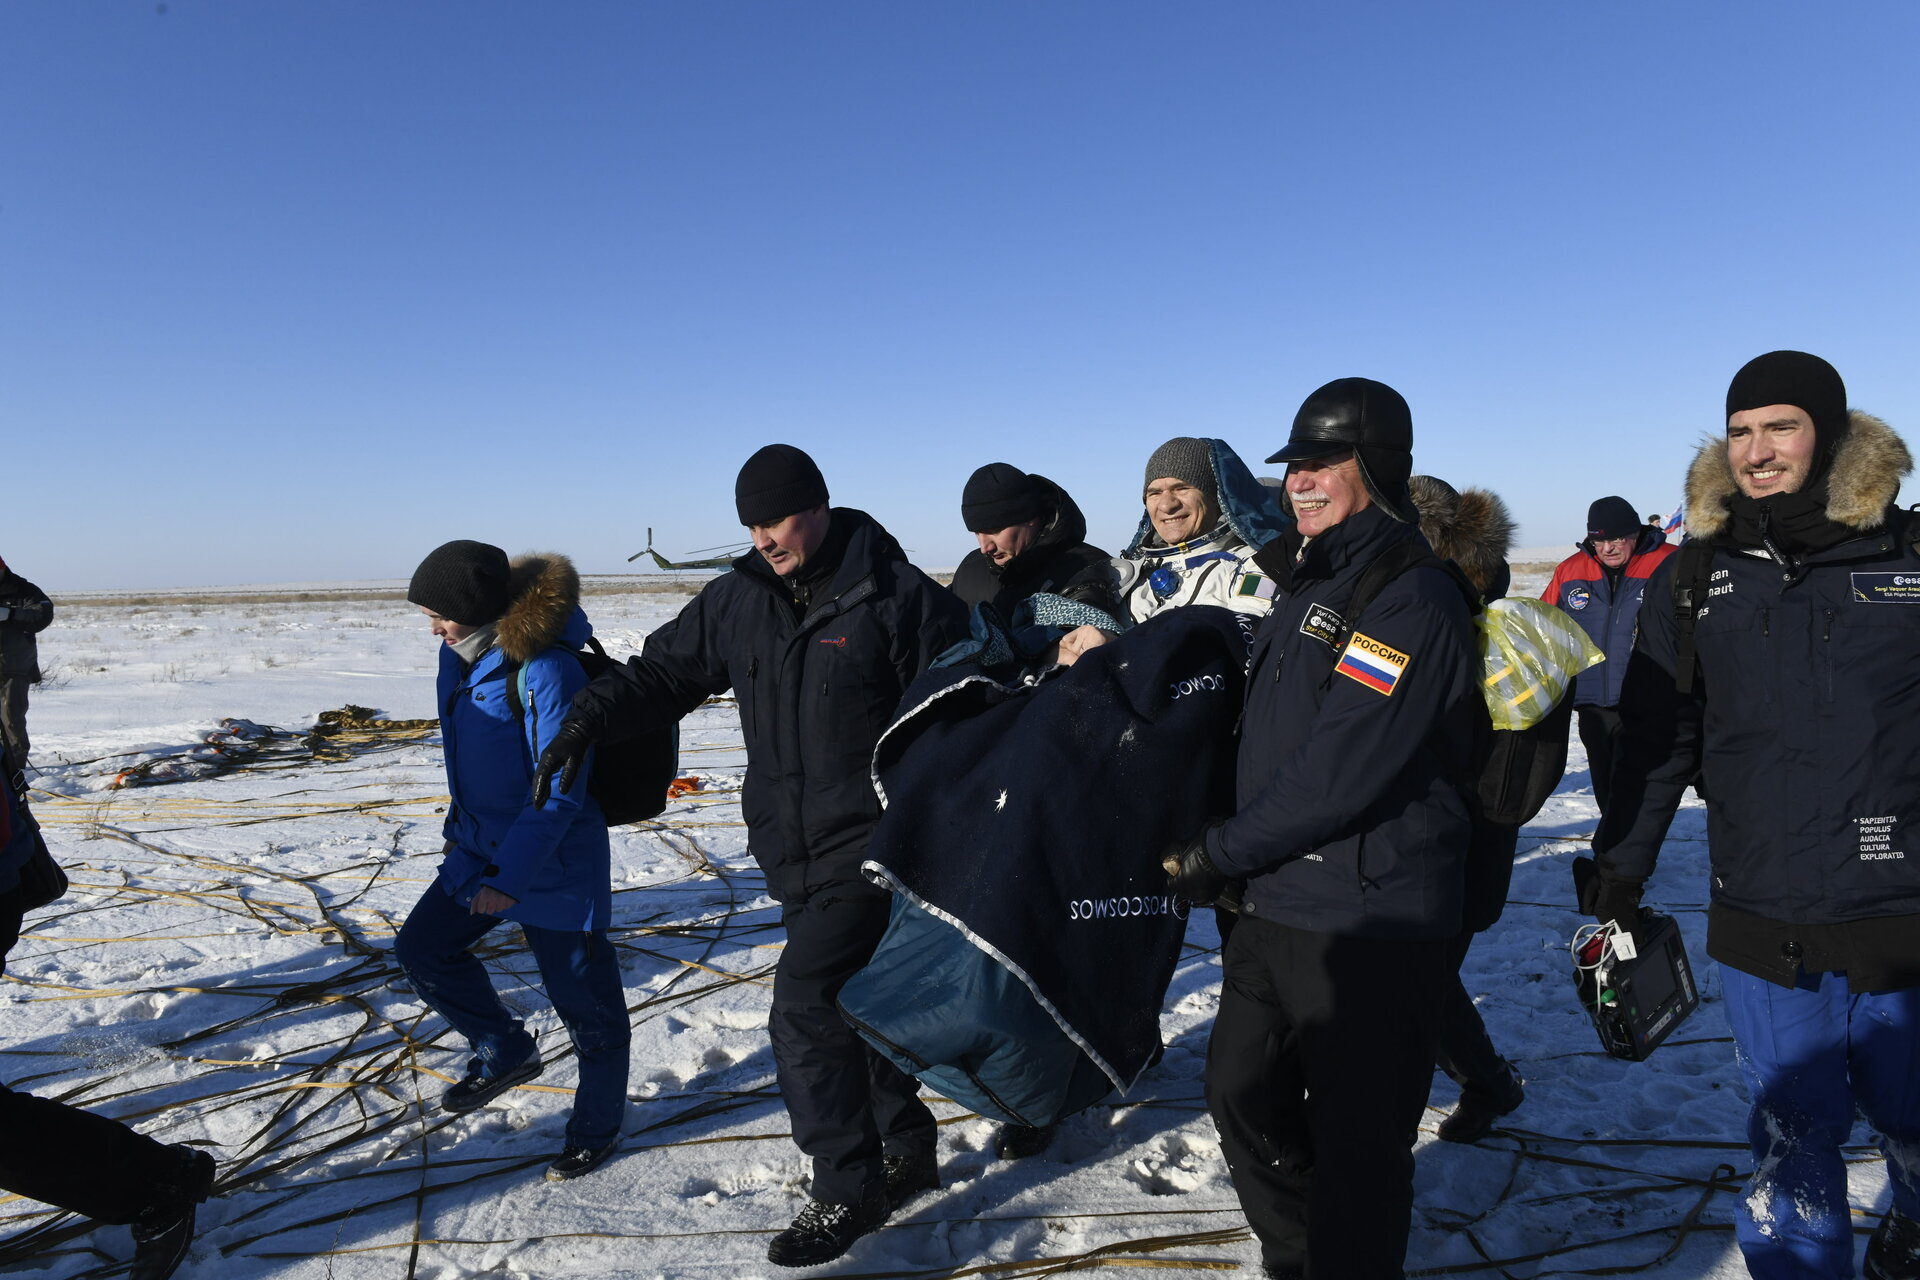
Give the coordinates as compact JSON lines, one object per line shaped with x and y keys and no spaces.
{"x":220,"y":975}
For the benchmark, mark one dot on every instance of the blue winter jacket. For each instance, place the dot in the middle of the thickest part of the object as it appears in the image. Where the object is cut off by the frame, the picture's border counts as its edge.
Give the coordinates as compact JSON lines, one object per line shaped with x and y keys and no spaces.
{"x":553,"y":860}
{"x":1607,"y":609}
{"x":1349,"y":818}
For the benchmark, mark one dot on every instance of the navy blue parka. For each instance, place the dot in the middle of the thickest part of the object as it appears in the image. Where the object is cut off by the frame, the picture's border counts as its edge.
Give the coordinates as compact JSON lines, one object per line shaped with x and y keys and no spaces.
{"x":1349,"y":820}
{"x":816,"y":686}
{"x":1803,"y":723}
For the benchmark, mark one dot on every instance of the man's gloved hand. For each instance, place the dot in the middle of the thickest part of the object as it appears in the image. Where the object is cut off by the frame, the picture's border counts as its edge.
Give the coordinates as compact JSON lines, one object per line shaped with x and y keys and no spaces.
{"x":1606,"y":898}
{"x":563,"y":755}
{"x":1191,"y":874}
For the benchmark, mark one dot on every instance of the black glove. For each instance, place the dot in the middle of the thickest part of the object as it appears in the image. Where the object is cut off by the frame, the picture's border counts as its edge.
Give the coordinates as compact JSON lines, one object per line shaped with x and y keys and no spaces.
{"x":563,"y":755}
{"x":1605,"y":897}
{"x":1191,"y":874}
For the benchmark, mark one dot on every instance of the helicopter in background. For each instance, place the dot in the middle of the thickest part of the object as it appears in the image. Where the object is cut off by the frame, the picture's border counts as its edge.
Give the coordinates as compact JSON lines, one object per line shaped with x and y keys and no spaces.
{"x":732,"y":551}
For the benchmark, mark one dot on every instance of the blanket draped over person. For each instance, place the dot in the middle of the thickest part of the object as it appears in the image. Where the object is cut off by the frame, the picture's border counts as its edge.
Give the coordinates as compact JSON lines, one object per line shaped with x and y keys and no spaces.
{"x":1032,"y":938}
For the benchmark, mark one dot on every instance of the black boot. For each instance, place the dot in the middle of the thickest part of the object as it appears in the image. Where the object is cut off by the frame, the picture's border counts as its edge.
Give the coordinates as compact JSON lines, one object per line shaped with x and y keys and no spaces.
{"x":1480,"y":1105}
{"x":577,"y":1162}
{"x":479,"y":1088}
{"x":908,"y":1176}
{"x":1018,"y":1141}
{"x":822,"y":1232}
{"x":1894,"y":1251}
{"x":162,"y":1233}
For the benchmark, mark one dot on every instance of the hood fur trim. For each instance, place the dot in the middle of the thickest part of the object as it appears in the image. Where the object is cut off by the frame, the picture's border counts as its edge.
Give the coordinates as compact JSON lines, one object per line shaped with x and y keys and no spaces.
{"x":1472,"y":528}
{"x":1862,"y":484}
{"x":546,"y":589}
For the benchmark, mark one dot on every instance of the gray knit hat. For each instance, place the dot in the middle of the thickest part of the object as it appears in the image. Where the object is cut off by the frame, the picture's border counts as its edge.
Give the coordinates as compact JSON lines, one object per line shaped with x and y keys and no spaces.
{"x":1185,"y":458}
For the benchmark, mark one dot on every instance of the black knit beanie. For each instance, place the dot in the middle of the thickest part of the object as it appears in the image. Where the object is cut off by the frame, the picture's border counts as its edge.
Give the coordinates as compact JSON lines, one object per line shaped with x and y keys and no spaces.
{"x":463,"y":582}
{"x":776,"y":482}
{"x":1610,"y":518}
{"x":1185,"y":458}
{"x":1796,"y":378}
{"x":997,"y":495}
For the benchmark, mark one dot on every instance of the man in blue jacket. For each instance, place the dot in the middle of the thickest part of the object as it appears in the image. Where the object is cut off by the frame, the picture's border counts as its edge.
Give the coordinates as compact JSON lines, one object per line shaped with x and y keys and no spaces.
{"x":1352,"y":839}
{"x":818,"y":631}
{"x":1793,"y":682}
{"x":1601,"y":587}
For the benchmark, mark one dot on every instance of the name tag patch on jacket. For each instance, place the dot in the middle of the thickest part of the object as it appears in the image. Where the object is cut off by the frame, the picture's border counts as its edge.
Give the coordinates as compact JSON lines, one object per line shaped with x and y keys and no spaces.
{"x":1375,"y":665}
{"x":1323,"y":624}
{"x":1886,"y":588}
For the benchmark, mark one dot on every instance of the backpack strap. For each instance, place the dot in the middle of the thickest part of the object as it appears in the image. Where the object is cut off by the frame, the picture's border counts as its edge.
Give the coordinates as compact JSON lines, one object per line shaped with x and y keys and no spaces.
{"x":1390,"y":564}
{"x":1692,"y":571}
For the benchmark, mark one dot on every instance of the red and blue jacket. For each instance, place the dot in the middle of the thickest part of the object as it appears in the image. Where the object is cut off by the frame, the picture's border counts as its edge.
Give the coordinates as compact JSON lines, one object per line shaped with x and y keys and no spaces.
{"x":1607,"y":612}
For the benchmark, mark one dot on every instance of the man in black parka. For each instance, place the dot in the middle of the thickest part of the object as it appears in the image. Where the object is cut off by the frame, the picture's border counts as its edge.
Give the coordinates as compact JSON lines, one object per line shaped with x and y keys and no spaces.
{"x":1032,"y":538}
{"x":818,"y":631}
{"x":25,"y":612}
{"x":1352,"y":839}
{"x":1799,"y":703}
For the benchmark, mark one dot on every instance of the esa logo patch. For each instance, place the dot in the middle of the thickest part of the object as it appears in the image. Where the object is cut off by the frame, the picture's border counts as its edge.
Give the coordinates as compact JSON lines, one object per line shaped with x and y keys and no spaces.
{"x":1323,"y":624}
{"x":1577,"y":597}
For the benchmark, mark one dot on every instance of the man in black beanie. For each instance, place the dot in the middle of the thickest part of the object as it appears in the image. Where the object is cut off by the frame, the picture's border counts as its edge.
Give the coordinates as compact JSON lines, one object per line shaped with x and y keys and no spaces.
{"x":1032,"y":539}
{"x":1601,"y":587}
{"x":1781,"y":656}
{"x":817,"y":631}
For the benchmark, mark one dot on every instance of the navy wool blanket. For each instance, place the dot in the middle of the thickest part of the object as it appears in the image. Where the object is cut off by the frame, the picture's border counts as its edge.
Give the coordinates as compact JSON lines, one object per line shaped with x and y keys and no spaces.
{"x":1032,"y":937}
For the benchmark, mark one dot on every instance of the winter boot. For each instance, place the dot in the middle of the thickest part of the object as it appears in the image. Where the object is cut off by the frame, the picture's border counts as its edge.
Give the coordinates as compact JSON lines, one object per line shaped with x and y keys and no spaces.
{"x":908,"y":1176}
{"x":822,"y":1232}
{"x":479,"y":1088}
{"x":1018,"y":1141}
{"x":1894,"y":1251}
{"x":1480,"y":1106}
{"x":577,"y":1161}
{"x":163,"y":1231}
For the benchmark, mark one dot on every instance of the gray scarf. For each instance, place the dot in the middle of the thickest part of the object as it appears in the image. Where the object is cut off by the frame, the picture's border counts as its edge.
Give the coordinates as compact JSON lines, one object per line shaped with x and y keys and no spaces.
{"x":470,"y":649}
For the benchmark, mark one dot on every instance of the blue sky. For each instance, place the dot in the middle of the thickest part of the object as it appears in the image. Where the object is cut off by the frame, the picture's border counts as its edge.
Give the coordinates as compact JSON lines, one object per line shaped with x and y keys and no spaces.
{"x":296,"y":290}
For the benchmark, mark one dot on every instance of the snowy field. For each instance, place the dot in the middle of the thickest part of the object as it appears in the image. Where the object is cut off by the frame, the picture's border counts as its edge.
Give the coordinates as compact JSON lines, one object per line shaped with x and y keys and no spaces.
{"x":220,"y":975}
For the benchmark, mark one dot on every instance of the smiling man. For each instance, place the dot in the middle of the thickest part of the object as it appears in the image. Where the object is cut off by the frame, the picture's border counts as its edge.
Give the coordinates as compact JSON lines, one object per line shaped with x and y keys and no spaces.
{"x":1352,"y":839}
{"x":817,"y":631}
{"x":1787,"y":666}
{"x":1205,"y":516}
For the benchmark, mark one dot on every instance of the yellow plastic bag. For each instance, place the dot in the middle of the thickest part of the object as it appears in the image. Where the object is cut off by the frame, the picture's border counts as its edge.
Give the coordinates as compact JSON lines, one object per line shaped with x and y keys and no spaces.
{"x":1530,"y":652}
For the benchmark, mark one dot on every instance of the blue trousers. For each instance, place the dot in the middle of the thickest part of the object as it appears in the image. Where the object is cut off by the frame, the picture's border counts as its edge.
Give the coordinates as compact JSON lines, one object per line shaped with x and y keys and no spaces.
{"x":582,"y":978}
{"x":1810,"y":1055}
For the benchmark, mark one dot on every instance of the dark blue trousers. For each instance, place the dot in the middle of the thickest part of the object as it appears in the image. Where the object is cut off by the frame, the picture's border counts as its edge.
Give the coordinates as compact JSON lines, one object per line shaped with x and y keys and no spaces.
{"x":1810,"y":1055}
{"x":581,"y":976}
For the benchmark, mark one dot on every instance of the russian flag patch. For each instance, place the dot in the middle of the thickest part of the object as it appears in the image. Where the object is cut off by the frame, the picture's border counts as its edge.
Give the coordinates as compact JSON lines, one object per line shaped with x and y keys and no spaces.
{"x":1375,"y":665}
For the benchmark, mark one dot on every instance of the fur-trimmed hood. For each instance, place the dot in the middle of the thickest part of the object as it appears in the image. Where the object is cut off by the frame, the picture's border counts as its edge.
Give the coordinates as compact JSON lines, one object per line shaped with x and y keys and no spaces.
{"x":1861,"y":484}
{"x":545,"y":590}
{"x":1470,"y":527}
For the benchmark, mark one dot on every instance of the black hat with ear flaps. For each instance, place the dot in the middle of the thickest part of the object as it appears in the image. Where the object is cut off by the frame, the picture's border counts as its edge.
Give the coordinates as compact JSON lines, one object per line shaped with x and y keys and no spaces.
{"x":1371,"y":419}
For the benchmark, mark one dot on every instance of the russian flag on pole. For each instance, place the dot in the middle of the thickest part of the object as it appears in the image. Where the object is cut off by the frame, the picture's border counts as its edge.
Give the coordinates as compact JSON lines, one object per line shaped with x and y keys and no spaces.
{"x":1678,"y":518}
{"x":1375,"y":665}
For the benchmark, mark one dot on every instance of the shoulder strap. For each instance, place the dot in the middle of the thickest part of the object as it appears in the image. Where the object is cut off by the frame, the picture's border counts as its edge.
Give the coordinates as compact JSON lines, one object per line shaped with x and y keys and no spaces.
{"x":1390,"y":564}
{"x":1692,"y":570}
{"x":515,"y":674}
